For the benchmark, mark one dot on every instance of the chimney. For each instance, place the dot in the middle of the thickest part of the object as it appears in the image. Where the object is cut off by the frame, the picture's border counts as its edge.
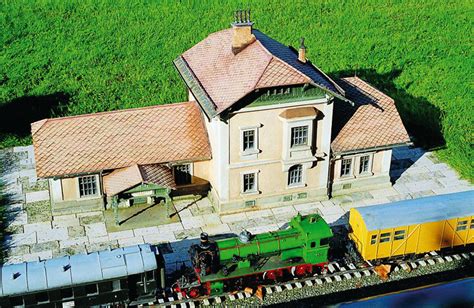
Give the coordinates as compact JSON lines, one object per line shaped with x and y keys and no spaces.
{"x":302,"y":52}
{"x":241,"y":31}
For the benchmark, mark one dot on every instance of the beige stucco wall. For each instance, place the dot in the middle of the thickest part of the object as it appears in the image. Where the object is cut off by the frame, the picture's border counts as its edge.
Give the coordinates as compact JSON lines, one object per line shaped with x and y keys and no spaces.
{"x":377,"y":177}
{"x":202,"y":169}
{"x":268,"y":162}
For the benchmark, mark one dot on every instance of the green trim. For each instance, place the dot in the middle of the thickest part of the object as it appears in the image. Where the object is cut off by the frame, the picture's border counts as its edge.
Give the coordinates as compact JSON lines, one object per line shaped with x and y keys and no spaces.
{"x":195,"y":87}
{"x":282,"y":95}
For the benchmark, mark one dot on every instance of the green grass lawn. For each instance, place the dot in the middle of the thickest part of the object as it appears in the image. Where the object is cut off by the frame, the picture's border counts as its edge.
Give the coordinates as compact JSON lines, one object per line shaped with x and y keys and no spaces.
{"x":66,"y":57}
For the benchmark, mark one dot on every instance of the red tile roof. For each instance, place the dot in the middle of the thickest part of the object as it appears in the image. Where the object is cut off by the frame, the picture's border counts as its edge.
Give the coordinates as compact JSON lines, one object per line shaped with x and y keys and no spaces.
{"x":117,"y":139}
{"x":225,"y":77}
{"x":373,"y":121}
{"x":123,"y":179}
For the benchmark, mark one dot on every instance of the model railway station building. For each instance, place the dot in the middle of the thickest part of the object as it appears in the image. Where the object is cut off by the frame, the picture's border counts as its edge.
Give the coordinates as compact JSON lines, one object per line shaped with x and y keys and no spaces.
{"x":263,"y":127}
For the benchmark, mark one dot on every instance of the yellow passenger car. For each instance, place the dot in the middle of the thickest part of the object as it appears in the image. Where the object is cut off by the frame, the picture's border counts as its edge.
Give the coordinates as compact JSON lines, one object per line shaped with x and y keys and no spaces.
{"x":413,"y":226}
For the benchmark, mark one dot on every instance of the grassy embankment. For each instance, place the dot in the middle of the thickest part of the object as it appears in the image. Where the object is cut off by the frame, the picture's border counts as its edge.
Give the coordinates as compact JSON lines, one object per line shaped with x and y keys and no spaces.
{"x":67,"y":58}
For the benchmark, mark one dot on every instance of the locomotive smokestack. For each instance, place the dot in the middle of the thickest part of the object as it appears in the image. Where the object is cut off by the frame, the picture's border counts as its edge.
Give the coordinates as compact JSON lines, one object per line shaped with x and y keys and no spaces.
{"x":204,"y":240}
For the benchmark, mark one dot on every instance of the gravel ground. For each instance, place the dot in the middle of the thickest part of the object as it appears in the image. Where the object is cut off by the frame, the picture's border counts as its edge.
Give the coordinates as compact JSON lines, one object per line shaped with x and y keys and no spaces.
{"x":365,"y":286}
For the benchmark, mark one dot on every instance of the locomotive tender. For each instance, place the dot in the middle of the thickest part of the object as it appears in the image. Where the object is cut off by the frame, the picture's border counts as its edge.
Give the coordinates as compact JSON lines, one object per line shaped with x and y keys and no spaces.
{"x":135,"y":275}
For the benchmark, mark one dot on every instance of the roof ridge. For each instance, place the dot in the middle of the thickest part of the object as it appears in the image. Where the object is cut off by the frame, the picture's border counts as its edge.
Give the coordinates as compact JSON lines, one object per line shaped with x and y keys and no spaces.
{"x":100,"y":113}
{"x":264,"y":70}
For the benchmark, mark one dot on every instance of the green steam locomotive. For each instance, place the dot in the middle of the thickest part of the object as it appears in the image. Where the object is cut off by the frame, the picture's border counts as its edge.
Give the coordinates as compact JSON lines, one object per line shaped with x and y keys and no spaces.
{"x":246,"y":260}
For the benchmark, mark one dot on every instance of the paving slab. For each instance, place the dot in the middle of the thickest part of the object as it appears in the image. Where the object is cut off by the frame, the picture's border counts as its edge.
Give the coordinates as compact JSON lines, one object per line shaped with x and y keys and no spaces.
{"x":136,"y":240}
{"x":20,"y":239}
{"x":162,"y":237}
{"x":36,"y":196}
{"x":39,"y":227}
{"x":145,"y":231}
{"x":121,"y":234}
{"x":95,"y":229}
{"x":78,"y":241}
{"x":216,"y":229}
{"x":193,"y":222}
{"x":56,"y":234}
{"x":233,"y":217}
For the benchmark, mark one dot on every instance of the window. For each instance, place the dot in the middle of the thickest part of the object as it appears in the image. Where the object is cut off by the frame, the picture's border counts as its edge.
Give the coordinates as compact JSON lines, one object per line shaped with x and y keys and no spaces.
{"x":87,"y":186}
{"x":399,"y":235}
{"x":105,"y":286}
{"x":373,"y":239}
{"x":66,"y":293}
{"x":91,"y":289}
{"x":150,"y":276}
{"x":295,"y":175}
{"x":472,"y":224}
{"x":346,"y":167}
{"x":248,"y":140}
{"x":364,"y":164}
{"x":313,"y":244}
{"x":42,"y":297}
{"x":299,"y":136}
{"x":462,"y":225}
{"x":182,"y":174}
{"x":116,"y":286}
{"x":324,"y":241}
{"x":249,"y":183}
{"x":16,"y":301}
{"x":384,"y":237}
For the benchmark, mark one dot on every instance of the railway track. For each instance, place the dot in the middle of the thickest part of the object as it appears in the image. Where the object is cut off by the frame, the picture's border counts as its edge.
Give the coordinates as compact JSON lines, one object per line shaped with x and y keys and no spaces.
{"x":336,"y":273}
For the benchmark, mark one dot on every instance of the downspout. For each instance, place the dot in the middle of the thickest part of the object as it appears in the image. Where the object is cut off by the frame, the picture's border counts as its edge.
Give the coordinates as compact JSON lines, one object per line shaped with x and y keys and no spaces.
{"x":329,"y":181}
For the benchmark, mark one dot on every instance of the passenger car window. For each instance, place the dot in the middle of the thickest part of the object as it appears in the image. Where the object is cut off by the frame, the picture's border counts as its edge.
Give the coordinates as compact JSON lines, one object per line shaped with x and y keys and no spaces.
{"x":41,"y":297}
{"x":373,"y":239}
{"x":462,"y":225}
{"x":66,"y":293}
{"x":91,"y":289}
{"x":399,"y":235}
{"x":385,"y":237}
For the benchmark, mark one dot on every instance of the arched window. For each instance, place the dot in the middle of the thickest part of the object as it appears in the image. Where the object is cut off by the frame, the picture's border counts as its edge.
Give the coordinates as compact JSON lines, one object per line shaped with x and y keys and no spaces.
{"x":295,"y":175}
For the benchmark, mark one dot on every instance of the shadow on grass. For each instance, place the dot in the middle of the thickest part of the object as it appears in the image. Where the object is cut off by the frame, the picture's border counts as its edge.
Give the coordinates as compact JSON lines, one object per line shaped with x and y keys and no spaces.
{"x":17,"y":115}
{"x":421,"y":118}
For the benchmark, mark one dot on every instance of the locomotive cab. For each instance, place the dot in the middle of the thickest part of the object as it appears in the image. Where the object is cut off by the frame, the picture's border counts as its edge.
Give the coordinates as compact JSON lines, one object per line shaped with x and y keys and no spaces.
{"x":204,"y":257}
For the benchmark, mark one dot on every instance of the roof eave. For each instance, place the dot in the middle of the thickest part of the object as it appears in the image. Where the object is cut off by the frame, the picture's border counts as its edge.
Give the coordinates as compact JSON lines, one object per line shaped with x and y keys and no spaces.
{"x":193,"y":84}
{"x":375,"y":148}
{"x":339,"y":96}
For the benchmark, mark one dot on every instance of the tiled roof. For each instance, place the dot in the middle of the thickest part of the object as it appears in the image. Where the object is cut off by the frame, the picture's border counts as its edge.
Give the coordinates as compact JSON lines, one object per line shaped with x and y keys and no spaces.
{"x":123,"y":179}
{"x":218,"y":78}
{"x":373,"y":121}
{"x":117,"y":139}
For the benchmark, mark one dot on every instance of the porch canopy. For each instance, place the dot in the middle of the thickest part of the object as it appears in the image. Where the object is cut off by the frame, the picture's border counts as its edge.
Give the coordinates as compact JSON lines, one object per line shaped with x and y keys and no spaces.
{"x":123,"y":179}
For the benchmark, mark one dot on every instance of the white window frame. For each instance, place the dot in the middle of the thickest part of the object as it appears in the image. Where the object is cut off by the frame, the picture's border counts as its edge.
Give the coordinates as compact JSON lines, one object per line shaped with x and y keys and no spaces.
{"x":370,"y":163}
{"x":307,"y":136}
{"x":255,"y":190}
{"x":351,"y":168}
{"x":191,"y":171}
{"x":97,"y":187}
{"x":249,"y":153}
{"x":303,"y":177}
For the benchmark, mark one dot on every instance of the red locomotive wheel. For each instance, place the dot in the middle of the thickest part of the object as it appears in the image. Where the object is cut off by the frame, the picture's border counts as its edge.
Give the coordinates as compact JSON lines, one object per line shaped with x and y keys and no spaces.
{"x":194,"y":293}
